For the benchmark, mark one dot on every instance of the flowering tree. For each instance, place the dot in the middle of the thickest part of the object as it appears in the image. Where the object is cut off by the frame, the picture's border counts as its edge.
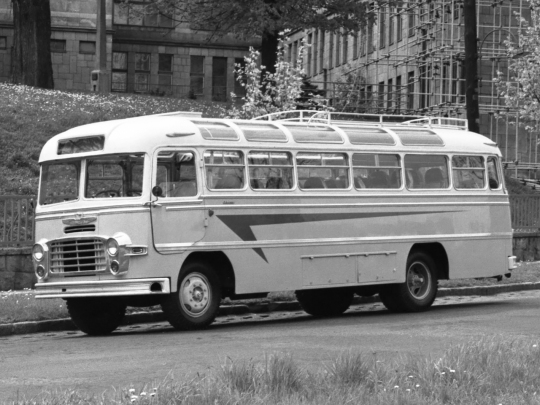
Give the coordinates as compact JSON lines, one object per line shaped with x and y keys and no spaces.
{"x":267,"y":92}
{"x":522,"y":92}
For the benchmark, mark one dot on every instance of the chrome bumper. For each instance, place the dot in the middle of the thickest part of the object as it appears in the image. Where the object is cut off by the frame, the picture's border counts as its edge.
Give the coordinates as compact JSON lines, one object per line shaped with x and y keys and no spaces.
{"x":105,"y":288}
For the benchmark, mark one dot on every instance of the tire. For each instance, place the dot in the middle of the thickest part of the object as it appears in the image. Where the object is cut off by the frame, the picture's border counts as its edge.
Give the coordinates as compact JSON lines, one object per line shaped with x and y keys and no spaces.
{"x":195,"y":304}
{"x":326,"y":302}
{"x":96,"y":316}
{"x":419,"y":290}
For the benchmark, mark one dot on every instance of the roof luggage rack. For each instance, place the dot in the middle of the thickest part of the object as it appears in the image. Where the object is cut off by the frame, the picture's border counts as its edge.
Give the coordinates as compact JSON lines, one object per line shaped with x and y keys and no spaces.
{"x":332,"y":117}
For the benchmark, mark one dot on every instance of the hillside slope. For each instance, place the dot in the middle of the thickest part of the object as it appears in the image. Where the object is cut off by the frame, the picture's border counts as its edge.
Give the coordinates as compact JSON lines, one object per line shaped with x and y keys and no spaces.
{"x":30,"y":116}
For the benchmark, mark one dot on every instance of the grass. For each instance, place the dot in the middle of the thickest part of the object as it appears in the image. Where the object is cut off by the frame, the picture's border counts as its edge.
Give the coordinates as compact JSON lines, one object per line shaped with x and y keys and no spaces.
{"x":22,"y":306}
{"x":31,"y":116}
{"x":489,"y":370}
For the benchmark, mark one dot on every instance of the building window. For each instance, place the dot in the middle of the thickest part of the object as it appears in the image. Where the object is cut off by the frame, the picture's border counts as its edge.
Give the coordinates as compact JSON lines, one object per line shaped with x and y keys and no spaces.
{"x":143,"y":13}
{"x":119,"y":72}
{"x":399,"y":24}
{"x":380,"y":103}
{"x":142,"y":72}
{"x":58,"y":45}
{"x":3,"y":42}
{"x":165,"y":64}
{"x":309,"y":55}
{"x":355,"y":44}
{"x":382,"y":29}
{"x":331,"y":51}
{"x":196,"y":74}
{"x":87,"y":47}
{"x":315,"y":47}
{"x":363,"y":43}
{"x":412,"y":19}
{"x":239,"y":90}
{"x":219,"y":79}
{"x":321,"y":51}
{"x":390,"y":97}
{"x":410,"y":91}
{"x":398,"y":94}
{"x":370,"y":47}
{"x":391,"y":26}
{"x":338,"y":49}
{"x":345,"y":47}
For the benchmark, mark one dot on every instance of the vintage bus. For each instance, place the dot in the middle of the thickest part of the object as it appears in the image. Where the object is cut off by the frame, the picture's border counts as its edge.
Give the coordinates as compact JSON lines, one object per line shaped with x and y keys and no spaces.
{"x":182,"y":211}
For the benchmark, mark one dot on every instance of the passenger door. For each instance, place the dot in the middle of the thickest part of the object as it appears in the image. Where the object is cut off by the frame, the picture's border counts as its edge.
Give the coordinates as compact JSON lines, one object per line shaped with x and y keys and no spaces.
{"x":178,"y":214}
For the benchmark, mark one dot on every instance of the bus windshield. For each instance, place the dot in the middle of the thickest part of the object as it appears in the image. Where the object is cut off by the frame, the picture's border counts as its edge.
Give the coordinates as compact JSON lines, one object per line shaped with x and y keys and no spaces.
{"x":110,"y":176}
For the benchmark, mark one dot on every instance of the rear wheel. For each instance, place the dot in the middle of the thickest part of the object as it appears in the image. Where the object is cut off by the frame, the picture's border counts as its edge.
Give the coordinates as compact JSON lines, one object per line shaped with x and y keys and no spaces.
{"x":96,"y":316}
{"x":418,"y":291}
{"x":325,"y":302}
{"x":196,"y":302}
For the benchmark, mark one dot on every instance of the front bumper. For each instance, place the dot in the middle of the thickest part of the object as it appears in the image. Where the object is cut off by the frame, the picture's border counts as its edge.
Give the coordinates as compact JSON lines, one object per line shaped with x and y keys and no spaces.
{"x":105,"y":288}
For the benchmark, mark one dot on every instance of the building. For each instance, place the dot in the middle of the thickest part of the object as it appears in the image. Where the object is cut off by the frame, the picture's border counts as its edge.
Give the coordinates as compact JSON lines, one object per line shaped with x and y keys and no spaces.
{"x":410,"y":60}
{"x":145,"y":53}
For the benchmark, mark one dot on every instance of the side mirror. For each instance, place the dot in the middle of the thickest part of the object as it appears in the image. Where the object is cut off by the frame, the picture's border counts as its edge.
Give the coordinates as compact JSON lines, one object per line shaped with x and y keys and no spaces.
{"x":157,"y":191}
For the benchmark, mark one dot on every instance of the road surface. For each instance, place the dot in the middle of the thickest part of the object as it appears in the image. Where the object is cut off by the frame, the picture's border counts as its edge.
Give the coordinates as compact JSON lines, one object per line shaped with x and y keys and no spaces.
{"x":140,"y":354}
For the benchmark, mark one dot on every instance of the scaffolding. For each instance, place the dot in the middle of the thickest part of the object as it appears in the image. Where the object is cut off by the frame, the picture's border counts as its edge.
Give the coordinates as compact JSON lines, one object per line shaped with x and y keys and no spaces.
{"x":410,"y":60}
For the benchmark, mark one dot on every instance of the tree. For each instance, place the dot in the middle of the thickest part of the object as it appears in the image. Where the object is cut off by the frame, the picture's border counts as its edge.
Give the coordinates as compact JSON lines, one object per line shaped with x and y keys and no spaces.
{"x":271,"y":92}
{"x":521,"y":93}
{"x":264,"y":18}
{"x":31,"y":55}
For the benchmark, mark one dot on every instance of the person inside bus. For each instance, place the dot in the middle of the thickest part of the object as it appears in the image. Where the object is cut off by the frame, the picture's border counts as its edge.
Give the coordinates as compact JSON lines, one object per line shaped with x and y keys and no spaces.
{"x":378,"y":179}
{"x":434,"y":178}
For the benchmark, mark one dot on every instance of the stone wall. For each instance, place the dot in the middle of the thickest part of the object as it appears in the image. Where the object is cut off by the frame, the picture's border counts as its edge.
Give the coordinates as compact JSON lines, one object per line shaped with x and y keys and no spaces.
{"x":16,"y":270}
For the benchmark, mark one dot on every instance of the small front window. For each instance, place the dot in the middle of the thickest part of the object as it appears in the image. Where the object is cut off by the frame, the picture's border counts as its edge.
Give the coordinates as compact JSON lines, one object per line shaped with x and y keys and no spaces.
{"x":59,"y":182}
{"x":114,"y":176}
{"x":176,"y":174}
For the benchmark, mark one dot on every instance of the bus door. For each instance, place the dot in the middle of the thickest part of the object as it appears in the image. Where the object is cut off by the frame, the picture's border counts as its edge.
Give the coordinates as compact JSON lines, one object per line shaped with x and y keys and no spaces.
{"x":177,"y":210}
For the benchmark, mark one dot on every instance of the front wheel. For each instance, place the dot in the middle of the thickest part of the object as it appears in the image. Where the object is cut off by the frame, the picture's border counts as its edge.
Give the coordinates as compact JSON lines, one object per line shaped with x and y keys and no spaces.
{"x":325,"y":302}
{"x":418,"y":291}
{"x":96,"y":316}
{"x":196,"y":302}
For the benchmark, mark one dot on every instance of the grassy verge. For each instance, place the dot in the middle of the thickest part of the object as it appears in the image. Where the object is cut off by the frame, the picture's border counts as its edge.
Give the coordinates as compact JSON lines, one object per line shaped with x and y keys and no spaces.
{"x":484,"y":371}
{"x":20,"y":307}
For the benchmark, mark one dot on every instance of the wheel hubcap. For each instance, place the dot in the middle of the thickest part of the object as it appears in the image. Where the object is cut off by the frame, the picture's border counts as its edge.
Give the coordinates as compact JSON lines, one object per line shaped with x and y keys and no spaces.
{"x":419,"y":280}
{"x":195,"y":294}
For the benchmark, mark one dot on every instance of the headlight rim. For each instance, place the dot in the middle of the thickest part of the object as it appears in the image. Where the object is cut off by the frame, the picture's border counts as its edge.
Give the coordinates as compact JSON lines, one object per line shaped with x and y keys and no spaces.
{"x":43,"y":250}
{"x":116,"y":248}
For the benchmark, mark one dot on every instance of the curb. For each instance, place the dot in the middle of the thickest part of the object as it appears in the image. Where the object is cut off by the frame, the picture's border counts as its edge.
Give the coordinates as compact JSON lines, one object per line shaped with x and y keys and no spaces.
{"x":57,"y":325}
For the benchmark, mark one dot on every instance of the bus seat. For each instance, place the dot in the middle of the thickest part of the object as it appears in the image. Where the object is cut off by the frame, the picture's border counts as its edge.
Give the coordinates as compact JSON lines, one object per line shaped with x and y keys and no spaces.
{"x":434,"y":178}
{"x":359,"y":183}
{"x":184,"y":189}
{"x":255,"y":184}
{"x":273,"y":182}
{"x":314,"y":182}
{"x":330,"y":183}
{"x":229,"y":182}
{"x":378,"y":179}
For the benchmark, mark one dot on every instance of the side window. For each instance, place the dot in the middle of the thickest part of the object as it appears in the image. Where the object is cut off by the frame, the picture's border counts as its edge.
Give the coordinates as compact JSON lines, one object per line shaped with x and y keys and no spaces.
{"x":224,"y":169}
{"x":376,"y":170}
{"x":270,"y":170}
{"x":323,"y":170}
{"x":493,"y":173}
{"x":468,"y":172}
{"x":176,"y":173}
{"x":426,"y":171}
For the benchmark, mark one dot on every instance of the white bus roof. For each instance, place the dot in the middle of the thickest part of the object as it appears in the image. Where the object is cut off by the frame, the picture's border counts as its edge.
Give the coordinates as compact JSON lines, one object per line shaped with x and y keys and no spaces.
{"x":335,"y":131}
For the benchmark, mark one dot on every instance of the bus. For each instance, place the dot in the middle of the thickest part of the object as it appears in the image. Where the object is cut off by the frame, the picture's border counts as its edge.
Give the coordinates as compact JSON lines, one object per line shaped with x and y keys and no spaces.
{"x":182,"y":211}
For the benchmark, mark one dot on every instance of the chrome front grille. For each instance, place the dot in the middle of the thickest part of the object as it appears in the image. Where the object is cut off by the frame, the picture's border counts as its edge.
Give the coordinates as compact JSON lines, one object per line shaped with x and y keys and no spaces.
{"x":77,"y":257}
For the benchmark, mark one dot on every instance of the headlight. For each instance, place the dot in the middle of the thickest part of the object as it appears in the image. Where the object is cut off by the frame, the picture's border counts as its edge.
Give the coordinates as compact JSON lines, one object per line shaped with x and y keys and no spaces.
{"x":41,"y":272}
{"x":112,"y":247}
{"x":38,"y":252}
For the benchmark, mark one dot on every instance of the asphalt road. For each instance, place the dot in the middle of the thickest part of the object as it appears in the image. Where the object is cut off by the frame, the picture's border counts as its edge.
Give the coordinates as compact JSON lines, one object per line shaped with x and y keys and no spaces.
{"x":142,"y":354}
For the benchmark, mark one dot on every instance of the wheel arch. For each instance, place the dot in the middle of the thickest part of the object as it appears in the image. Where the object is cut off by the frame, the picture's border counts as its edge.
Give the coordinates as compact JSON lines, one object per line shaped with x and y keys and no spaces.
{"x":221,"y":265}
{"x":438,"y":253}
